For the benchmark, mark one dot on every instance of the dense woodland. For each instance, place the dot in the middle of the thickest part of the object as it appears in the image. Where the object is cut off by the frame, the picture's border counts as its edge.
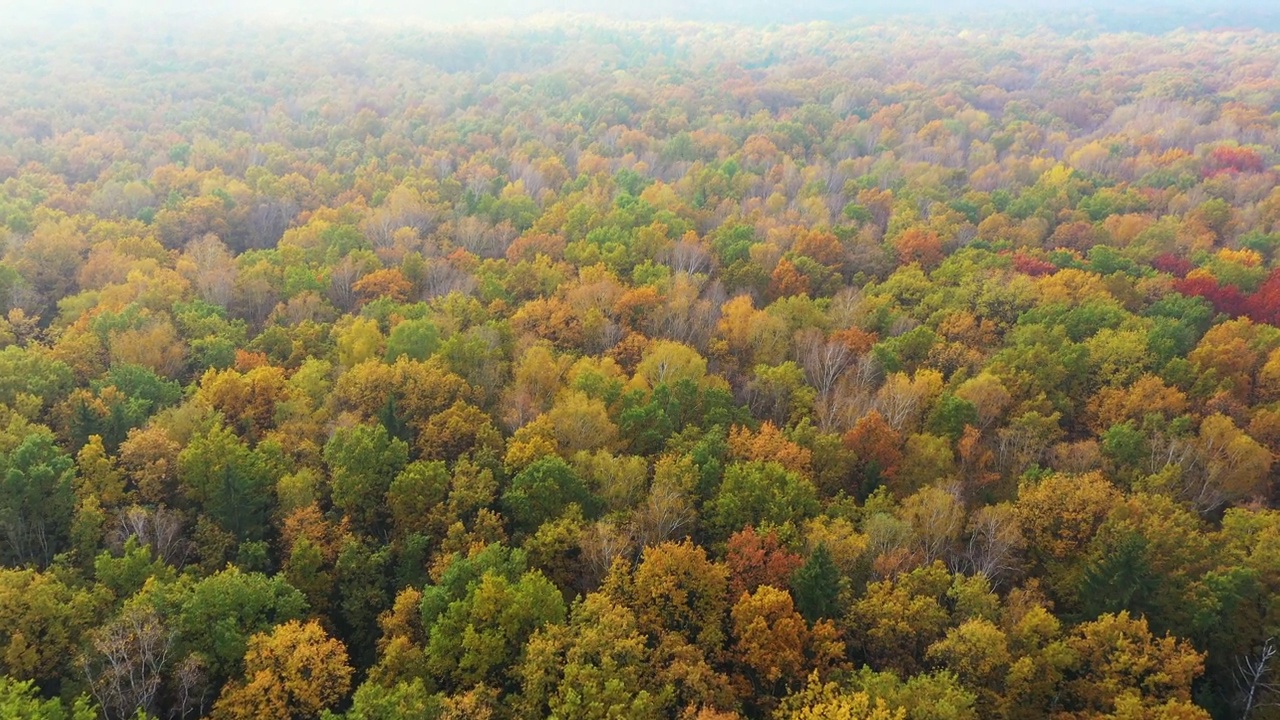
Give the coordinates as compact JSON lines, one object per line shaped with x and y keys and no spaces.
{"x":589,"y":370}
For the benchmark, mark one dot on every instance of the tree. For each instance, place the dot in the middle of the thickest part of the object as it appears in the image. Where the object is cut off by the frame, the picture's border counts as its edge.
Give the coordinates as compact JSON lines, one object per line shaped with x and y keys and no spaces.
{"x":404,"y":393}
{"x":825,"y":360}
{"x":415,"y":339}
{"x":756,"y":559}
{"x":977,"y":651}
{"x":775,"y":645}
{"x":42,"y":621}
{"x":363,"y":460}
{"x":669,"y":508}
{"x":1234,"y":465}
{"x":665,"y":363}
{"x":917,"y":245}
{"x":994,"y":542}
{"x":416,"y":499}
{"x":478,"y":639}
{"x":581,"y":423}
{"x":542,"y":491}
{"x":878,"y":448}
{"x":36,"y":499}
{"x":897,"y":620}
{"x":127,"y":662}
{"x":923,"y":695}
{"x":217,"y":615}
{"x":816,"y":585}
{"x":937,"y":520}
{"x":1122,"y":664}
{"x":1120,"y":580}
{"x":757,"y":493}
{"x":677,"y":590}
{"x":828,"y":701}
{"x":20,"y":699}
{"x":769,"y":444}
{"x":296,"y":671}
{"x":1060,"y":514}
{"x":1253,"y":679}
{"x":460,"y":429}
{"x":230,"y":482}
{"x":401,"y":701}
{"x":787,"y":280}
{"x":385,"y":283}
{"x":594,"y":668}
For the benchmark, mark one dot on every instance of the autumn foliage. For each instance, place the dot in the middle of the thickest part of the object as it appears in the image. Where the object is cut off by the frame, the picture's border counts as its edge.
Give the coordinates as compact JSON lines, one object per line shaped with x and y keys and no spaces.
{"x":588,"y":369}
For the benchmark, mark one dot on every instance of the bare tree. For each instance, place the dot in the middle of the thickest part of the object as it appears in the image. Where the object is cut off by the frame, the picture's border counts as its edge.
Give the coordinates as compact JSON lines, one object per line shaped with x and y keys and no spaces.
{"x":690,"y":256}
{"x":442,"y":277}
{"x":824,"y":361}
{"x":213,"y":269}
{"x":855,"y":394}
{"x":342,"y":280}
{"x":126,"y":661}
{"x":268,"y":219}
{"x":1253,"y":681}
{"x":191,"y":688}
{"x":159,"y":529}
{"x":937,"y":519}
{"x":994,"y":543}
{"x":664,"y":514}
{"x":602,"y":544}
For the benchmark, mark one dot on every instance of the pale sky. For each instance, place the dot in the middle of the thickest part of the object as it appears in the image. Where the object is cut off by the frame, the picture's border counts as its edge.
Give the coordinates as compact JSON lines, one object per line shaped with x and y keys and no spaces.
{"x":1196,"y":12}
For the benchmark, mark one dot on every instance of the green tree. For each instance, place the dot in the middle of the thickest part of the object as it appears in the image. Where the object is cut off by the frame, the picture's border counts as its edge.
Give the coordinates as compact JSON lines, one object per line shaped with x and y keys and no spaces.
{"x":593,"y":668}
{"x":415,"y":339}
{"x":479,"y":638}
{"x":21,"y":700}
{"x":215,"y":616}
{"x":761,"y":493}
{"x":36,"y":500}
{"x":230,"y":482}
{"x":543,"y":491}
{"x":363,"y":460}
{"x":816,"y":585}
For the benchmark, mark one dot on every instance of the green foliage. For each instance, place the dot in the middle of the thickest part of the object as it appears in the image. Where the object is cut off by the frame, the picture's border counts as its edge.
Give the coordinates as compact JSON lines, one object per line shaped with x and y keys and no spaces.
{"x":543,"y":491}
{"x":229,"y":481}
{"x":761,"y":493}
{"x":20,"y":700}
{"x":363,"y":461}
{"x":215,"y":616}
{"x":816,"y":586}
{"x":416,"y":339}
{"x":508,"y":354}
{"x":36,"y":500}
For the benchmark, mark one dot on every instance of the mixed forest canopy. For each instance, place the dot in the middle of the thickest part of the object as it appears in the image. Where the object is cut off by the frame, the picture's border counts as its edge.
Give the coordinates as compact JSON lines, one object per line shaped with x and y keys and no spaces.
{"x":908,"y":369}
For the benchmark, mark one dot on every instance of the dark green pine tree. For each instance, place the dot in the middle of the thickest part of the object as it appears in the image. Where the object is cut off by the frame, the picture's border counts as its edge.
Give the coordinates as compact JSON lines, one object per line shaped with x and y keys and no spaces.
{"x":816,"y":586}
{"x":390,"y":418}
{"x":1120,"y":580}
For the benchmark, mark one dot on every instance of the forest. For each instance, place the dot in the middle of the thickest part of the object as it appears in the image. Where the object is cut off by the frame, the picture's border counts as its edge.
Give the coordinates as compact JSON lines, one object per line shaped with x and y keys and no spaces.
{"x":904,"y":369}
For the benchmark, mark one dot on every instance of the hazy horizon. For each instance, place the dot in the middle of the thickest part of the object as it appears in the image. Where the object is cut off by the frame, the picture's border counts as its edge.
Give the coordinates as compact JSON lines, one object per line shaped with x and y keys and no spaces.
{"x":1151,"y":15}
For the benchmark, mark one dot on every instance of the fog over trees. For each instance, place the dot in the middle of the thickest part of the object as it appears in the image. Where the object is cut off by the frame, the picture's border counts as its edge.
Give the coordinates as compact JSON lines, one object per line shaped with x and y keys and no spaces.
{"x":702,"y":361}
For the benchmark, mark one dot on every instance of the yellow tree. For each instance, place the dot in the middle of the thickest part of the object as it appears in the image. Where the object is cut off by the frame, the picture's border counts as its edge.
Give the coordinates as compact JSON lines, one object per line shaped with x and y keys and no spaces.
{"x":296,"y":671}
{"x":1122,"y":668}
{"x":774,"y":644}
{"x":828,"y":701}
{"x":678,"y":590}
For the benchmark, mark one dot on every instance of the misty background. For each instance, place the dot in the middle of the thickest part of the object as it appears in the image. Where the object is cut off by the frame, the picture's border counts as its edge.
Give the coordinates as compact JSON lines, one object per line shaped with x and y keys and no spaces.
{"x":1153,"y":16}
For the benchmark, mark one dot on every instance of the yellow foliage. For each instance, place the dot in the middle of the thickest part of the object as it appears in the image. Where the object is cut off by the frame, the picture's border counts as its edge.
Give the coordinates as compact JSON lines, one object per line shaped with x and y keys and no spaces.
{"x":1072,"y":287}
{"x":1061,"y":513}
{"x":769,"y":444}
{"x":828,"y":702}
{"x":295,"y":671}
